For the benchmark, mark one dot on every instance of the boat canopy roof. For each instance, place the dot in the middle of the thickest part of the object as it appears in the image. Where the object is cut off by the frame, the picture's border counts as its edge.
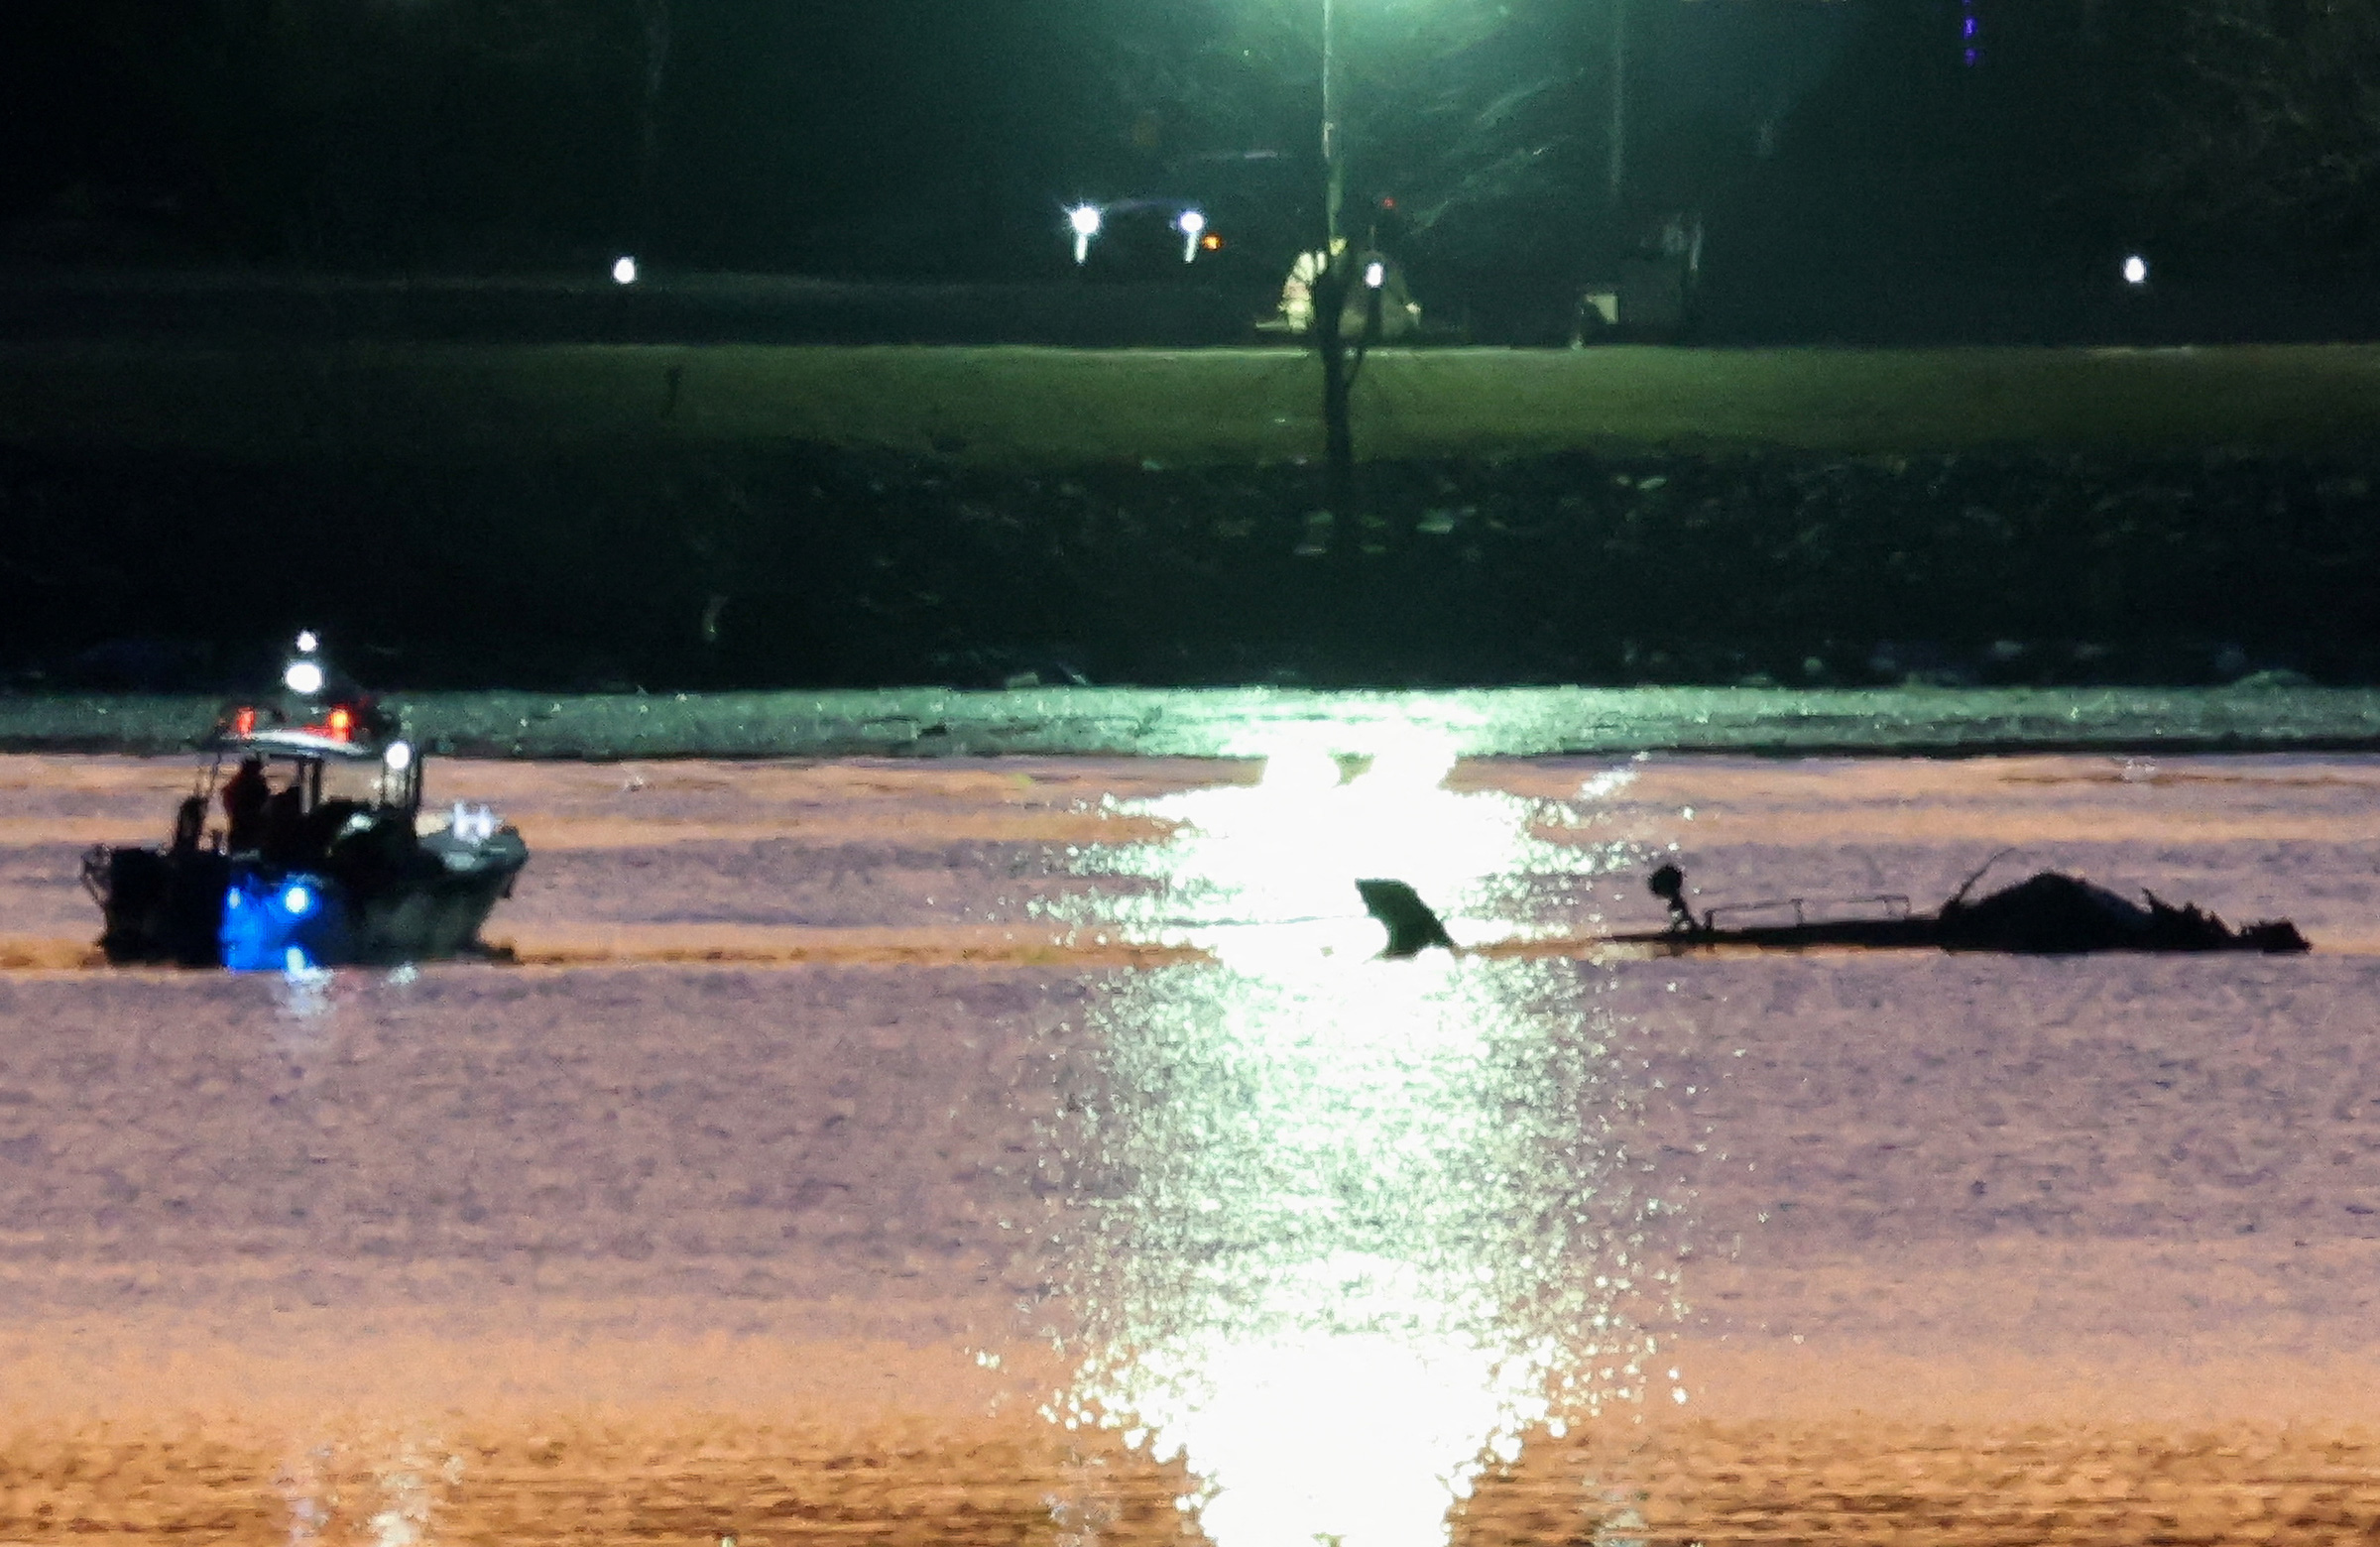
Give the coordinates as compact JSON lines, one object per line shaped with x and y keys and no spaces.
{"x":307,"y":741}
{"x":354,"y":730}
{"x":321,"y":717}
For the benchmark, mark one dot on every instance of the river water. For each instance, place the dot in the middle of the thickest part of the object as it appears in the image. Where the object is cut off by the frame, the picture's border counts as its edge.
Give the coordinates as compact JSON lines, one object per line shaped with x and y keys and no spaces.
{"x":1035,"y":1149}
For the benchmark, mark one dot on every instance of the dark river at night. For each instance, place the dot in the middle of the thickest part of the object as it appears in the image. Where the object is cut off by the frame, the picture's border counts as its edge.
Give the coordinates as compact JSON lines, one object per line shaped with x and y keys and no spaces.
{"x":1035,"y":1149}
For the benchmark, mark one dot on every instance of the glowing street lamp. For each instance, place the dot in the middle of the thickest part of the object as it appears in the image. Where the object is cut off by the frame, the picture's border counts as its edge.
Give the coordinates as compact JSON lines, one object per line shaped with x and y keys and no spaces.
{"x":1190,"y":225}
{"x":2136,"y":270}
{"x":1084,"y":219}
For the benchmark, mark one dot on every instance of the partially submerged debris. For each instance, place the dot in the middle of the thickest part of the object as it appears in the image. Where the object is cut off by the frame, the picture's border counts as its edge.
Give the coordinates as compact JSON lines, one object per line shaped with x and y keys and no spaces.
{"x":2048,"y":914}
{"x":1413,"y":928}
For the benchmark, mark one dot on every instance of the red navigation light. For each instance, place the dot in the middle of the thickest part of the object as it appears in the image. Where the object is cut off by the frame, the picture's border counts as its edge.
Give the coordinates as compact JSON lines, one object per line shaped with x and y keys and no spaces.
{"x":244,"y":723}
{"x":342,"y":723}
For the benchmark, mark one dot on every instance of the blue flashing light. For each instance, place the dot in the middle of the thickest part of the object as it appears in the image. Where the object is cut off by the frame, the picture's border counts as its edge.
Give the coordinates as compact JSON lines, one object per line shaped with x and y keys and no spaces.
{"x":270,"y":923}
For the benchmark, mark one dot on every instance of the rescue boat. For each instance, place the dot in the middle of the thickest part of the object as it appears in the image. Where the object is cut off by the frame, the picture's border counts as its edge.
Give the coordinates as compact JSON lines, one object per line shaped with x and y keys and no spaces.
{"x":313,"y":851}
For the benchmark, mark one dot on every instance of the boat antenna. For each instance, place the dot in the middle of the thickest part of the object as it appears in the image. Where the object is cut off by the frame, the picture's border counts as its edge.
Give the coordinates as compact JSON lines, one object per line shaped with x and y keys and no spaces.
{"x":1967,"y":884}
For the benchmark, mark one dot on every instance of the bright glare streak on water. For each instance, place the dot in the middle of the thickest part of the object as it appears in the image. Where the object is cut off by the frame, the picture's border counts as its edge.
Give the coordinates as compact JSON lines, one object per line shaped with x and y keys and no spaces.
{"x":1358,"y":1415}
{"x":1270,"y":872}
{"x":1309,"y":1290}
{"x":1336,"y":1227}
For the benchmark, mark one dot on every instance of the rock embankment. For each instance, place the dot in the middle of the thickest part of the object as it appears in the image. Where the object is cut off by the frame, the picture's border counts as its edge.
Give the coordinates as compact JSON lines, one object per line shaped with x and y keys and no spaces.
{"x":811,"y":566}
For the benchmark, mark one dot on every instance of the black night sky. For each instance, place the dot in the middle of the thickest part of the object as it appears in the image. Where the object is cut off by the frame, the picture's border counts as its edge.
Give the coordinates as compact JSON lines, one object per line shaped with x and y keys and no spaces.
{"x":938,"y":138}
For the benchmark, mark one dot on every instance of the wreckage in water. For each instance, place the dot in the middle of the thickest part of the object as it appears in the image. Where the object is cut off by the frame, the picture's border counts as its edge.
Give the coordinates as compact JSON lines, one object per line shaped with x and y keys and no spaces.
{"x":2046,"y":914}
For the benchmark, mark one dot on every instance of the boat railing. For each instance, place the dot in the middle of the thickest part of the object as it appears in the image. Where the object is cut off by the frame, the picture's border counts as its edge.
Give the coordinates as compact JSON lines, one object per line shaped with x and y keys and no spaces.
{"x":1883,"y":905}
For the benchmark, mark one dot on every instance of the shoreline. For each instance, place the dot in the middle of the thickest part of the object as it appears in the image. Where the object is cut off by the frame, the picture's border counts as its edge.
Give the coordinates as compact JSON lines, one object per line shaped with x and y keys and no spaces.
{"x":928,"y":723}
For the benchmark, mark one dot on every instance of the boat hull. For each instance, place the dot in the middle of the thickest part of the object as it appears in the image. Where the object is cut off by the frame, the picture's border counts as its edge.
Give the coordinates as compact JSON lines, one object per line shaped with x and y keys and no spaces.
{"x":200,"y":908}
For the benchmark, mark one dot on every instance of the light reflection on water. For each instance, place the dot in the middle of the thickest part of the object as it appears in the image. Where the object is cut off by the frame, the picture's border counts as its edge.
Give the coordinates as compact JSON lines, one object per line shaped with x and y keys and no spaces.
{"x":1366,"y":1222}
{"x":403,"y":1484}
{"x":1334,"y":1225}
{"x":1264,"y":876}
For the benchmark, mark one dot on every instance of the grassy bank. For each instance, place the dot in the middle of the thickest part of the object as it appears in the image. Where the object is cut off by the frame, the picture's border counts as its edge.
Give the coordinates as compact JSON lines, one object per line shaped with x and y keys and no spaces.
{"x":279,"y":402}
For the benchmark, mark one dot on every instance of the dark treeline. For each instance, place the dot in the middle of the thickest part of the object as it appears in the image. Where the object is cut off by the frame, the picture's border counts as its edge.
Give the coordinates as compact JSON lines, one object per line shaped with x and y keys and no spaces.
{"x":935,"y":137}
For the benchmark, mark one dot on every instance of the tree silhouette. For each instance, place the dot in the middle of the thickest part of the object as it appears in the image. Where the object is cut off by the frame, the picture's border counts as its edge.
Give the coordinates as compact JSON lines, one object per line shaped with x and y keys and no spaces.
{"x":2266,"y":124}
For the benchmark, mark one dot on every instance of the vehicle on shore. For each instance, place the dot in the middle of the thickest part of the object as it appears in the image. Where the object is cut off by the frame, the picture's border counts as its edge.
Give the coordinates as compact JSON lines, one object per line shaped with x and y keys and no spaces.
{"x":323,"y":857}
{"x":1150,"y":240}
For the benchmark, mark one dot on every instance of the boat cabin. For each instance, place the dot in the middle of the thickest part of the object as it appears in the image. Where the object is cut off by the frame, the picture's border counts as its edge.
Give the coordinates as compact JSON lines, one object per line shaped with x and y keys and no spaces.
{"x":292,"y":789}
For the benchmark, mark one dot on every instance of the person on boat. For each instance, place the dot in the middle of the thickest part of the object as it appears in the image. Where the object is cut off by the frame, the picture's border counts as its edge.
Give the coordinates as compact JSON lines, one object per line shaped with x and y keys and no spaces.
{"x":244,"y":797}
{"x":189,"y":824}
{"x":283,"y":833}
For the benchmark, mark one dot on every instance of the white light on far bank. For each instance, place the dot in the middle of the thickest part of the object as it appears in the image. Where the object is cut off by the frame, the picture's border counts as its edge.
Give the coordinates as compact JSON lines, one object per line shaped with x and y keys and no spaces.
{"x":1084,"y":219}
{"x":304,"y":677}
{"x":623,"y":272}
{"x":1376,"y":274}
{"x":2136,"y":270}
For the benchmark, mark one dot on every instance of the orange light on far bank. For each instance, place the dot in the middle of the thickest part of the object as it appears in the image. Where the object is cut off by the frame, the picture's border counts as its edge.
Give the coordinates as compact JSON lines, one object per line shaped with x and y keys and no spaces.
{"x":1211,"y":242}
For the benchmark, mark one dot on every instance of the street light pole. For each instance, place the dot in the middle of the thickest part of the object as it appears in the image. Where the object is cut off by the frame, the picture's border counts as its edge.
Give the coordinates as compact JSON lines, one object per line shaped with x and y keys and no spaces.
{"x":1620,"y":98}
{"x":1329,"y":292}
{"x":656,"y":17}
{"x":1334,"y":182}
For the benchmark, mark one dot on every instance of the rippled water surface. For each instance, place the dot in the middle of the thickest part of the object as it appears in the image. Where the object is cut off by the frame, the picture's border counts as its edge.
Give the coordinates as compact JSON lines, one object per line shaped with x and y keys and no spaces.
{"x":1034,"y":1149}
